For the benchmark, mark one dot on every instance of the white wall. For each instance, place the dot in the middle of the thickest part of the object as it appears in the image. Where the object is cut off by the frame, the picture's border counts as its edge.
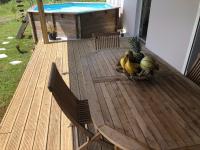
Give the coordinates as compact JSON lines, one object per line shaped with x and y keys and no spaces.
{"x":129,"y":16}
{"x":117,"y":3}
{"x":171,"y":27}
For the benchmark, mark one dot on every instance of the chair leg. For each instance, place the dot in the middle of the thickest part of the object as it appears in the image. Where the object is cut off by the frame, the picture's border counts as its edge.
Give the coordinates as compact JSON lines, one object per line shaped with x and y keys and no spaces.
{"x":86,"y":144}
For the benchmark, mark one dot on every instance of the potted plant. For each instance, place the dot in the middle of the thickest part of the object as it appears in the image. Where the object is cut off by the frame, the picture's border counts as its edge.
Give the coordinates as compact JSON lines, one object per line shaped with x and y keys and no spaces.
{"x":52,"y":33}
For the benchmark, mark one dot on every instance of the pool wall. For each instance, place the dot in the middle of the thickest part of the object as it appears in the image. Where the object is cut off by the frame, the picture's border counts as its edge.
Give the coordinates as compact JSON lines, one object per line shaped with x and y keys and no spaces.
{"x":76,"y":25}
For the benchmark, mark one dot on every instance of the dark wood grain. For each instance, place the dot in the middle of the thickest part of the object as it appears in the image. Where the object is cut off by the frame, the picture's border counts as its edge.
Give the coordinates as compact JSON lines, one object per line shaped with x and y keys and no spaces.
{"x":162,"y":113}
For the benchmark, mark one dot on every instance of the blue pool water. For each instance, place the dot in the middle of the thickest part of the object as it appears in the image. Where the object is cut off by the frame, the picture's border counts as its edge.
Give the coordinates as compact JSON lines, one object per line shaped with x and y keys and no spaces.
{"x":74,"y":7}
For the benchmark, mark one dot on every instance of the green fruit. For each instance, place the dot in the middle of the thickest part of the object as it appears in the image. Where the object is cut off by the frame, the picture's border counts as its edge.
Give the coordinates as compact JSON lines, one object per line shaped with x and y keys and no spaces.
{"x":147,"y":63}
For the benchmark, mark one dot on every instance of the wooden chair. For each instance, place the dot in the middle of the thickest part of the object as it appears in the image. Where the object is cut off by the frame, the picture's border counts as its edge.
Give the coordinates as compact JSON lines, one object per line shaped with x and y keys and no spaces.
{"x":194,"y":73}
{"x":76,"y":110}
{"x":106,"y":40}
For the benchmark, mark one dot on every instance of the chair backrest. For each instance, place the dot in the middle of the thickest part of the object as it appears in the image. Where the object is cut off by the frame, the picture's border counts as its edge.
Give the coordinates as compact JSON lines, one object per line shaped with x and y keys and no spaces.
{"x":194,"y":73}
{"x":64,"y":97}
{"x":106,"y":40}
{"x":66,"y":100}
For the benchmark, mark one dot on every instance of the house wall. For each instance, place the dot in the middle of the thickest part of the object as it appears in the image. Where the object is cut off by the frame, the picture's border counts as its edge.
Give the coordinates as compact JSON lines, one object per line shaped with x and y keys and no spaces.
{"x":117,"y":3}
{"x":129,"y":17}
{"x":130,"y":10}
{"x":172,"y":25}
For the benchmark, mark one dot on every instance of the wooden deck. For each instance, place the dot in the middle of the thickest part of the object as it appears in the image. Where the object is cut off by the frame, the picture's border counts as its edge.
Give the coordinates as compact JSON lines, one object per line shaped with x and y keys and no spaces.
{"x":162,"y":113}
{"x":33,"y":119}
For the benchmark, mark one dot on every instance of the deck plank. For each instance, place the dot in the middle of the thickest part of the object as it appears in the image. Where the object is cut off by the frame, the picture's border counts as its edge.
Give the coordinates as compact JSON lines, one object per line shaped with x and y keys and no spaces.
{"x":20,"y":122}
{"x":4,"y":139}
{"x":53,"y":139}
{"x":31,"y":124}
{"x":41,"y":134}
{"x":66,"y":129}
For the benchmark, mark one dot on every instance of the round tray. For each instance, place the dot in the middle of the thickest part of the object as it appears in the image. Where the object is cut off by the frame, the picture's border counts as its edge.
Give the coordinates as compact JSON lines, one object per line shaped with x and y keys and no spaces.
{"x":139,"y":77}
{"x":133,"y":77}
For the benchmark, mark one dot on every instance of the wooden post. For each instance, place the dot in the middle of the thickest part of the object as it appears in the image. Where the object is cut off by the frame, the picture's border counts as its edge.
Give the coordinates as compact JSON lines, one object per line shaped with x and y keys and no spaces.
{"x":42,"y":21}
{"x":32,"y":23}
{"x":117,"y":19}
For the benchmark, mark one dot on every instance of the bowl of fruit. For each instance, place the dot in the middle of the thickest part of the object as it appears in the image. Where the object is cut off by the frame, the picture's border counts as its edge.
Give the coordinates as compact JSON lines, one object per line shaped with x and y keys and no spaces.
{"x":135,"y":64}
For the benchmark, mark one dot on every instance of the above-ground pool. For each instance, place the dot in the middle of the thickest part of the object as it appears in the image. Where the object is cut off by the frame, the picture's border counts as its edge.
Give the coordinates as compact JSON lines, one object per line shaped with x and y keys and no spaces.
{"x":76,"y":20}
{"x":74,"y":7}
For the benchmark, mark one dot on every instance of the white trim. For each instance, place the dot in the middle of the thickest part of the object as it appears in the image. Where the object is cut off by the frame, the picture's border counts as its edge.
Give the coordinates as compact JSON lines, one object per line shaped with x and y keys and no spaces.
{"x":183,"y":70}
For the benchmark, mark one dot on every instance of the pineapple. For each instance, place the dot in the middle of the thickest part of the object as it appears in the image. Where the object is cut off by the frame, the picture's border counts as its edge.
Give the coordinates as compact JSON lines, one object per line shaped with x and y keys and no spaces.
{"x":136,"y":47}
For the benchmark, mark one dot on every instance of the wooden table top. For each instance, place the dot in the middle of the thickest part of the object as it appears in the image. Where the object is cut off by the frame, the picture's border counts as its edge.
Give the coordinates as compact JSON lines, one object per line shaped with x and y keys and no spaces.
{"x":163,"y":113}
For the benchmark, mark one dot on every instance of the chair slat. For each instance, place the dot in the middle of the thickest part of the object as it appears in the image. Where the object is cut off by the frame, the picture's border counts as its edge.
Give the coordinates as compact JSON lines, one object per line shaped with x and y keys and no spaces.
{"x":106,"y":40}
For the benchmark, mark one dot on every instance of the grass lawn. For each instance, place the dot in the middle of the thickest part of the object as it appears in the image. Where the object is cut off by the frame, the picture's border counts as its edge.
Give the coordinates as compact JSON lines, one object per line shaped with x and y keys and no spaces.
{"x":10,"y":75}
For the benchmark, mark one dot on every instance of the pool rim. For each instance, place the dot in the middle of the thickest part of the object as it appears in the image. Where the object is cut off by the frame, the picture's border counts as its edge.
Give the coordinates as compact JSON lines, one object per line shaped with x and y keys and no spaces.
{"x":50,"y":12}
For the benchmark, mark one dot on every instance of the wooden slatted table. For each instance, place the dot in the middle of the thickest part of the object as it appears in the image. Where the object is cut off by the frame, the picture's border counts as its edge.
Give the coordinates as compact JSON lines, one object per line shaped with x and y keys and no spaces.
{"x":163,"y":113}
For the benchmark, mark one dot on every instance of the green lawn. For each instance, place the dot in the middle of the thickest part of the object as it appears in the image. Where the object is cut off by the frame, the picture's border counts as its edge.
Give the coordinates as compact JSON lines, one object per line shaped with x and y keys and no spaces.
{"x":10,"y":75}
